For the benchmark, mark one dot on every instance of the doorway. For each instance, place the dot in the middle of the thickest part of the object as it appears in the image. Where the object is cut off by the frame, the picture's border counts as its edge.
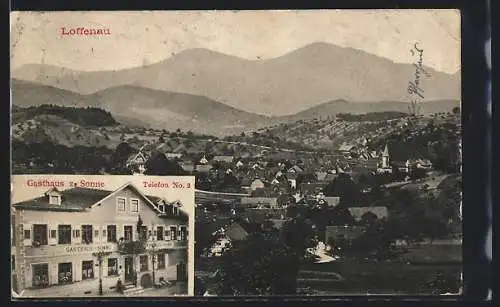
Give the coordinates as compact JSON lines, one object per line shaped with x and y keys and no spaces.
{"x":129,"y":270}
{"x":182,"y":272}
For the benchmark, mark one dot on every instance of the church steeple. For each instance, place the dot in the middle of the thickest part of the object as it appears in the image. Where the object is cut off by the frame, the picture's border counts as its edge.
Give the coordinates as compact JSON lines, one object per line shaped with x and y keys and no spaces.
{"x":386,"y":151}
{"x":385,"y":157}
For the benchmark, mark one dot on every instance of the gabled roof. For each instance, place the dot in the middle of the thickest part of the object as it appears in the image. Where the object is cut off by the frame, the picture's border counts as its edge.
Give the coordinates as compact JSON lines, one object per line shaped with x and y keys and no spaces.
{"x":139,"y":156}
{"x":358,"y":212}
{"x":223,"y":158}
{"x":346,"y":147}
{"x":75,"y":199}
{"x":236,"y":232}
{"x":79,"y":199}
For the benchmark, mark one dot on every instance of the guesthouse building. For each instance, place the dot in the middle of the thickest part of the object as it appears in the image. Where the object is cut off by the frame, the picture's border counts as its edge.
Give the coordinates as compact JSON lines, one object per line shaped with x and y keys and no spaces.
{"x":83,"y":235}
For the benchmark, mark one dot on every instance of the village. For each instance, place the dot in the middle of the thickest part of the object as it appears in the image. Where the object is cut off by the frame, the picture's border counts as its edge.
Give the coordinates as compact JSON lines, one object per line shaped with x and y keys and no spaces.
{"x":387,"y":196}
{"x":345,"y":194}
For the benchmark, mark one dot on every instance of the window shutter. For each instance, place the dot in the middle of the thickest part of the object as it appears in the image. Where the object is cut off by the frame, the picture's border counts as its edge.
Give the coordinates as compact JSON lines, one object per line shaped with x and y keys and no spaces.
{"x":27,"y":241}
{"x":179,"y":233}
{"x":167,"y":233}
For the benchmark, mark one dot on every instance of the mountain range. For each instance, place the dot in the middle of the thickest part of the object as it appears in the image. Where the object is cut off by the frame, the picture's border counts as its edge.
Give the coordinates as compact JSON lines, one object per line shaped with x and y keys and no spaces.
{"x":169,"y":110}
{"x":307,"y":77}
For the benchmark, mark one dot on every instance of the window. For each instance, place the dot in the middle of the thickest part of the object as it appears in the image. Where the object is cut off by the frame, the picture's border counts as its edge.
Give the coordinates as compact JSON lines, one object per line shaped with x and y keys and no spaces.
{"x":175,"y":210}
{"x":64,"y":234}
{"x":120,"y":202}
{"x":87,"y":234}
{"x":40,"y":275}
{"x":111,"y":233}
{"x":65,"y":273}
{"x":183,"y":231}
{"x":134,"y":205}
{"x":144,"y":263}
{"x":40,"y":233}
{"x":161,"y":208}
{"x":159,"y":233}
{"x":113,"y":267}
{"x":53,"y":234}
{"x":96,"y":233}
{"x":87,"y":269}
{"x":13,"y":261}
{"x":27,"y":234}
{"x":161,"y":260}
{"x":55,"y":200}
{"x":128,"y":233}
{"x":143,"y":233}
{"x":173,"y":233}
{"x":76,"y":233}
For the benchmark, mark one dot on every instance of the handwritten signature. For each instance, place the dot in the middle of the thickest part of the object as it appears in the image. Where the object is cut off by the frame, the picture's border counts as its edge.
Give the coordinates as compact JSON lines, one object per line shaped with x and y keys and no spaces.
{"x":414,"y":86}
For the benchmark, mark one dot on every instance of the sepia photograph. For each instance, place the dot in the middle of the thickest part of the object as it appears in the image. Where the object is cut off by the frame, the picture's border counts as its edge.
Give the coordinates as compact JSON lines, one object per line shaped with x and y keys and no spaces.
{"x":92,"y":236}
{"x":324,"y":145}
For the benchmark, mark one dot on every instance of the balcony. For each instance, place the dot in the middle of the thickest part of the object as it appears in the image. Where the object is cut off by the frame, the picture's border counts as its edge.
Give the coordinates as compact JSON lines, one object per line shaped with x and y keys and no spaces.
{"x":132,"y":247}
{"x":156,"y":245}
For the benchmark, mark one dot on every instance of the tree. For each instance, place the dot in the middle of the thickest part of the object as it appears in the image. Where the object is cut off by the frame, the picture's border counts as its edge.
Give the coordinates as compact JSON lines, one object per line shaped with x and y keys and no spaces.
{"x":267,"y":263}
{"x":203,"y":237}
{"x":345,"y":187}
{"x":368,"y":218}
{"x":159,"y":165}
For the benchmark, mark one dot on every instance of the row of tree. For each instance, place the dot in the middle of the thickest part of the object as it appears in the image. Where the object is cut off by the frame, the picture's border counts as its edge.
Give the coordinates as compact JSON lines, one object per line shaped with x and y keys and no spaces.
{"x":88,"y":116}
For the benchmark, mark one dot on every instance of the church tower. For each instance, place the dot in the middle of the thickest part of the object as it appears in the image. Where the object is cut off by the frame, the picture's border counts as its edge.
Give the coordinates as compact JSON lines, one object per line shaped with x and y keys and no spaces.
{"x":385,"y":157}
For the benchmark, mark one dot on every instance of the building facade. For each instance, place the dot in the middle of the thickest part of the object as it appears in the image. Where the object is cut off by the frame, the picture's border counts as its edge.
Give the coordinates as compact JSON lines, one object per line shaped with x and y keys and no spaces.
{"x":86,"y":235}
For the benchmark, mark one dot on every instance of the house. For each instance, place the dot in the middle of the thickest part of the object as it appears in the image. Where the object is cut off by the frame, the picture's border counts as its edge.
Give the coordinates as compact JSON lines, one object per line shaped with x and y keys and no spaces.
{"x":320,"y":176}
{"x":173,"y":155}
{"x":349,"y":233}
{"x":236,"y":232}
{"x":223,"y":159}
{"x":187,"y":166}
{"x":203,"y":168}
{"x":245,"y":183}
{"x":257,"y":184}
{"x":63,"y":235}
{"x":330,"y":201}
{"x":347,"y":148}
{"x":137,"y":162}
{"x":295,"y":169}
{"x":203,"y":160}
{"x":330,"y":177}
{"x":259,"y":202}
{"x":311,"y":188}
{"x":358,"y":212}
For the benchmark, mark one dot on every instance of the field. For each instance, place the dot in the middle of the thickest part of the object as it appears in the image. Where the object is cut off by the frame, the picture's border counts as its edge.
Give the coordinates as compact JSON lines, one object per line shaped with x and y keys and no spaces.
{"x":375,"y":278}
{"x":360,"y":277}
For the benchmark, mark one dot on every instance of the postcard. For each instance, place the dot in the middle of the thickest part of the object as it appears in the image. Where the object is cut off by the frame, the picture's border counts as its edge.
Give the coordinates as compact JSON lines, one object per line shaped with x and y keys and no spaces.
{"x":77,"y":236}
{"x":324,"y":144}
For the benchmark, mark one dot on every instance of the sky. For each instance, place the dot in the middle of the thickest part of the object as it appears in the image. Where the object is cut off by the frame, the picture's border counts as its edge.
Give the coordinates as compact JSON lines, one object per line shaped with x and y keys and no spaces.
{"x":139,"y":38}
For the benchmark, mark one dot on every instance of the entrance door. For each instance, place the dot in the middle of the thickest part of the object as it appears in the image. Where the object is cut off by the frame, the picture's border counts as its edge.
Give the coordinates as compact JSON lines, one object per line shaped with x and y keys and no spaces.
{"x":129,"y":269}
{"x":40,"y":275}
{"x":181,"y":272}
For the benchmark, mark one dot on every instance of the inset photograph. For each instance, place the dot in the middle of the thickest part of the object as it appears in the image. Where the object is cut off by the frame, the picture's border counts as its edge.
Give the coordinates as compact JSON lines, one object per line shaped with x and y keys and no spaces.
{"x":81,"y":236}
